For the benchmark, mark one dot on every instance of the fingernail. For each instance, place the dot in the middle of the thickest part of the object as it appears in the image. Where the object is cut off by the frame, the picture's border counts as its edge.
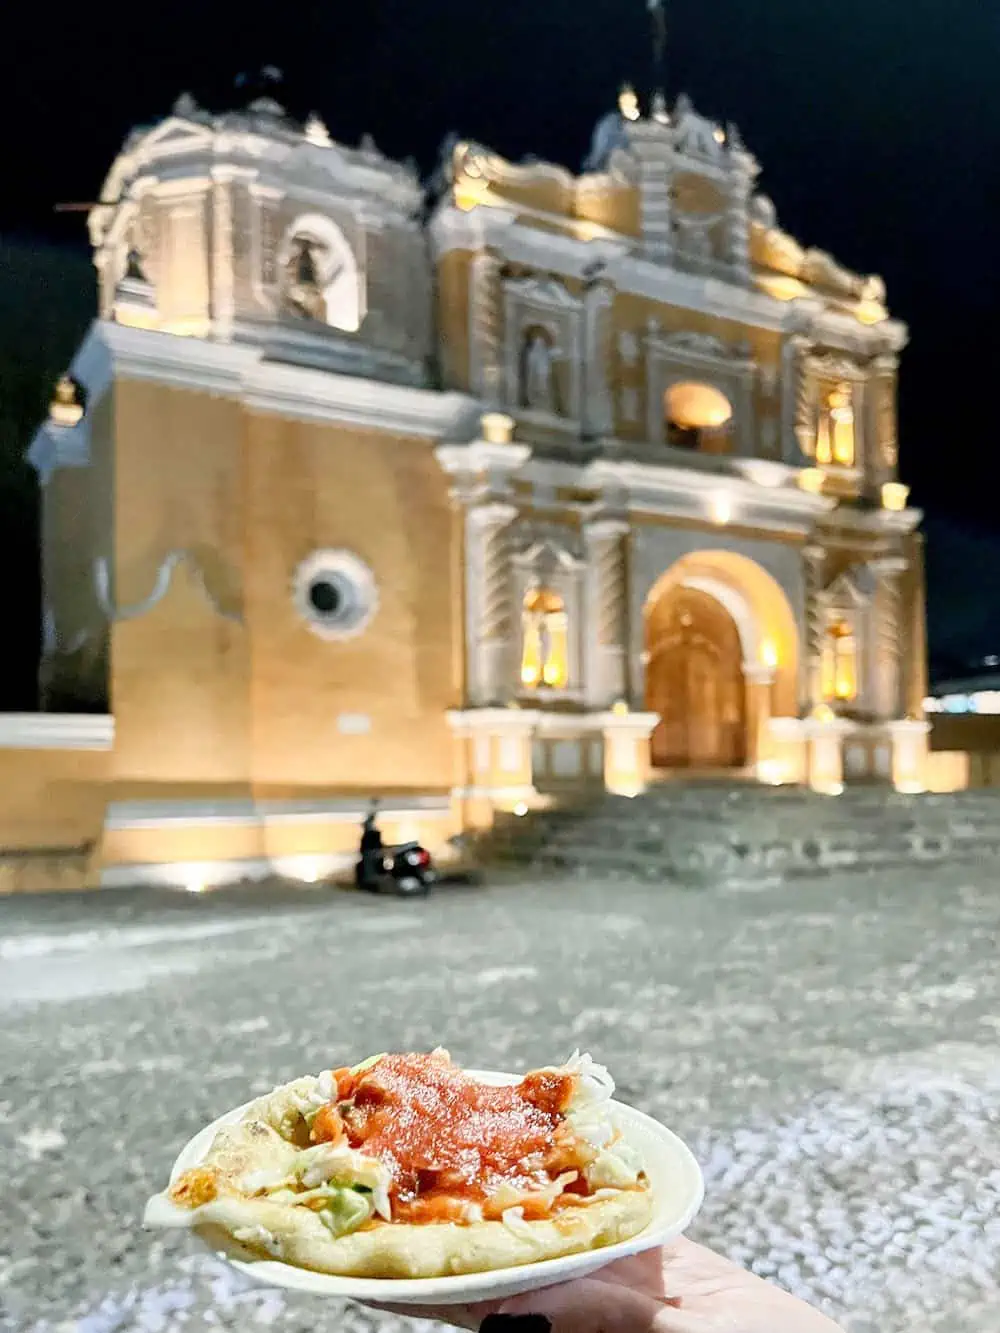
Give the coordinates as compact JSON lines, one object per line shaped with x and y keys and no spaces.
{"x":515,"y":1323}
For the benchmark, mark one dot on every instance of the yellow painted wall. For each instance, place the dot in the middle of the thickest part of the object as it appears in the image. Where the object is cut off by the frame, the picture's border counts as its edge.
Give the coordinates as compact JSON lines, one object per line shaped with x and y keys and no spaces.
{"x":52,"y":798}
{"x":453,"y":280}
{"x":311,"y":487}
{"x":180,"y":672}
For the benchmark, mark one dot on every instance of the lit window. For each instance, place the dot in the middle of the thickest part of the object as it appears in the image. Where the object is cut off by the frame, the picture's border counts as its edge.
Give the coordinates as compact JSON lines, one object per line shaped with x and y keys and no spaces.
{"x":545,"y":637}
{"x":840,"y":663}
{"x":835,"y":437}
{"x":697,"y":417}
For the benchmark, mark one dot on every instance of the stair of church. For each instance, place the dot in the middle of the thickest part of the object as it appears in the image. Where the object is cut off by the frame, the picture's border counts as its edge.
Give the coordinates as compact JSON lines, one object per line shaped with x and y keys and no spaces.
{"x":746,"y":835}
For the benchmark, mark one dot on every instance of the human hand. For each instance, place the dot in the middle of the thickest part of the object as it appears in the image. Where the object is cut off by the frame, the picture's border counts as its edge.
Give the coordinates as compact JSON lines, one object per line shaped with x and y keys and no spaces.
{"x":682,"y":1288}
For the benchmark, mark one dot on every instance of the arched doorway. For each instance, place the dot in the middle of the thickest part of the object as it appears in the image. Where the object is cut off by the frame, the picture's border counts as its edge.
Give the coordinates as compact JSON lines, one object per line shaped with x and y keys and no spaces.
{"x":694,"y":681}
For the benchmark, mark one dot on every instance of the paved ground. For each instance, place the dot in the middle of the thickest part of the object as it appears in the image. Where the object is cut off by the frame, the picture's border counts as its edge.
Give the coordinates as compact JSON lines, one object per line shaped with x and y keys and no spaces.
{"x":831,"y":1051}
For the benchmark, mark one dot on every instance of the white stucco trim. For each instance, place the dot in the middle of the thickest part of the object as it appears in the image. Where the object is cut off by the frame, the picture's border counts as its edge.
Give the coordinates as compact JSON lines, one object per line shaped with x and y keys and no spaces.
{"x":678,"y":492}
{"x":56,"y":731}
{"x":525,"y":793}
{"x":198,"y":876}
{"x":136,"y":816}
{"x":55,"y":446}
{"x":733,"y":601}
{"x":237,"y":371}
{"x":473,"y":229}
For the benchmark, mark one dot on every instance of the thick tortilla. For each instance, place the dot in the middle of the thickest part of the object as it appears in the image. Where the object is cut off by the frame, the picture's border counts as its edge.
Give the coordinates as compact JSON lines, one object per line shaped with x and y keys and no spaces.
{"x":295,"y":1235}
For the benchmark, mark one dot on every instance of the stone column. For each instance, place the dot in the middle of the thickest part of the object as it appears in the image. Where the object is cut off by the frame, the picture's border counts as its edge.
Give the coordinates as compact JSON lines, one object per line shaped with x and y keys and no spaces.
{"x":814,"y":558}
{"x":481,"y":489}
{"x":880,"y":420}
{"x":606,"y":618}
{"x":759,"y":684}
{"x":738,"y":222}
{"x":626,"y":750}
{"x":485,"y":320}
{"x":490,"y":625}
{"x":794,"y":401}
{"x":915,"y":685}
{"x":223,"y":261}
{"x":598,"y":413}
{"x":655,"y":161}
{"x":888,"y":637}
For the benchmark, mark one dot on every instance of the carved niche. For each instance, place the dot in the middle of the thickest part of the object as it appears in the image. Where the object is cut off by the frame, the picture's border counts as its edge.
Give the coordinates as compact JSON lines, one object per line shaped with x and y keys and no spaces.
{"x":317,"y":274}
{"x":678,"y":358}
{"x":830,"y":409}
{"x":548,"y":565}
{"x":543,"y":350}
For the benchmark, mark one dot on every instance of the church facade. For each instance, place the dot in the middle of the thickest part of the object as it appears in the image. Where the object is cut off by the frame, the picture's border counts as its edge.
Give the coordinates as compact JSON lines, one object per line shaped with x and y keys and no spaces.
{"x":470,"y":498}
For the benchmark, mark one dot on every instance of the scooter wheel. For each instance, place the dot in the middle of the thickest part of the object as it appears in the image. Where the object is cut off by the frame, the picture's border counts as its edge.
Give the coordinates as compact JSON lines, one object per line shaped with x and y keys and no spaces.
{"x":412,"y":887}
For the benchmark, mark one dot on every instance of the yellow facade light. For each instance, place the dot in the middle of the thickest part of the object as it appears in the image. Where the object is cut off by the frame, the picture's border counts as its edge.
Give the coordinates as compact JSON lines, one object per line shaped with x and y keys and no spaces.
{"x":769,"y":654}
{"x":620,"y":709}
{"x":721,"y":509}
{"x":811,"y":480}
{"x":895,"y":496}
{"x":693,"y":406}
{"x":65,"y":408}
{"x":497,"y":427}
{"x":628,"y":103}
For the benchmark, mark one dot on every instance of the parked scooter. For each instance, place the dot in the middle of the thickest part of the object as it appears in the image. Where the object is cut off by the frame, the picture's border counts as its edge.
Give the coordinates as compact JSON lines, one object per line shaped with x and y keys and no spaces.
{"x":407,"y":870}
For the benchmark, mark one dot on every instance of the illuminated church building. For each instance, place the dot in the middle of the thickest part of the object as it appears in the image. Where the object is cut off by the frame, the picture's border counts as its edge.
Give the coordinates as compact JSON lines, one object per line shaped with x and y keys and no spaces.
{"x":468,"y":499}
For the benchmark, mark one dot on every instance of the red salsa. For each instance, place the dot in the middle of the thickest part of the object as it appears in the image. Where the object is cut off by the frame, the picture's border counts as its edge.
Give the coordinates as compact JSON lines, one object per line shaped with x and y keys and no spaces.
{"x":448,"y":1140}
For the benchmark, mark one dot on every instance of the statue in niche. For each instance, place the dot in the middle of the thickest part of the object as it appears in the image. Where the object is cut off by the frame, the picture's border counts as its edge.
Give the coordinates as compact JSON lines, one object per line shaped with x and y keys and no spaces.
{"x":537,"y":378}
{"x":304,"y":291}
{"x":133,"y":266}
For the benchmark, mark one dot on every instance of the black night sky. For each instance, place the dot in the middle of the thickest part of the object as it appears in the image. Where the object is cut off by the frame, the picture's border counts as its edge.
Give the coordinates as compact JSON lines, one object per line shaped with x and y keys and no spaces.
{"x":876,"y":122}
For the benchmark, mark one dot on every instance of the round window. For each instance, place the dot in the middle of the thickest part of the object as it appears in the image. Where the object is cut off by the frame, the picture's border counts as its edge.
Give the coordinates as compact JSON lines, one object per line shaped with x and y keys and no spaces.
{"x":325,"y":597}
{"x":336,"y":594}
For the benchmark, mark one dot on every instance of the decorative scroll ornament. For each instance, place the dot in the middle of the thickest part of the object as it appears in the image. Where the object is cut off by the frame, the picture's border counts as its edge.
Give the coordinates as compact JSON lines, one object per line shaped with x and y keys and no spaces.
{"x":161,"y":585}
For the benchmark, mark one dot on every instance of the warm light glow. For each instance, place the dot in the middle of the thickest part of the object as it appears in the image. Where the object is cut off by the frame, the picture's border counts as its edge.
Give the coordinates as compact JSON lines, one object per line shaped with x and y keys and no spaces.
{"x":913,"y":788}
{"x":630,"y":790}
{"x":316,"y":132}
{"x":719,"y":135}
{"x":835,"y":436}
{"x":895,"y":496}
{"x":520,"y":809}
{"x":697,"y":407}
{"x":811,"y":480}
{"x":769,"y":654}
{"x":840,"y":663}
{"x":194,"y":883}
{"x":65,"y":410}
{"x":497,"y":427}
{"x":310,"y":871}
{"x":823,"y":714}
{"x":721,"y":508}
{"x":545,"y":636}
{"x":621,"y":709}
{"x":782,"y":287}
{"x":871,"y":312}
{"x":628,"y":103}
{"x":772,"y":772}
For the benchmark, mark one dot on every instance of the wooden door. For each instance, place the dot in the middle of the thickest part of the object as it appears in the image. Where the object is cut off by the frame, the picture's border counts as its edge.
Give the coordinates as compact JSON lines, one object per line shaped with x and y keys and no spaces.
{"x":694,"y":681}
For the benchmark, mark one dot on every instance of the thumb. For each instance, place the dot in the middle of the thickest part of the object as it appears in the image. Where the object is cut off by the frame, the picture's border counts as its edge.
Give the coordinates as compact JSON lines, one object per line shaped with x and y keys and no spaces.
{"x":588,"y":1306}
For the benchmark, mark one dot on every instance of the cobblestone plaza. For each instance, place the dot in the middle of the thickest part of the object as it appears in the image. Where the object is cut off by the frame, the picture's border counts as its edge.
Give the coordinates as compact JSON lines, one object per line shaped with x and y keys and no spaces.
{"x":831,"y":1051}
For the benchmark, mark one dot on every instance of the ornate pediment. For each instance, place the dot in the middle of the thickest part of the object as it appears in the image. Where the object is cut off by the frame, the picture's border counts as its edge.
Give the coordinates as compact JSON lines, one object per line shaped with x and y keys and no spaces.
{"x":852,"y":588}
{"x":547,"y":547}
{"x":542,"y":291}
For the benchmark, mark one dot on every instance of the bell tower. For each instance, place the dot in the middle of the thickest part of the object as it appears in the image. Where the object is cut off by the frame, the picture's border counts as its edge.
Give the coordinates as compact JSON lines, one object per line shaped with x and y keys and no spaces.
{"x":249,"y":227}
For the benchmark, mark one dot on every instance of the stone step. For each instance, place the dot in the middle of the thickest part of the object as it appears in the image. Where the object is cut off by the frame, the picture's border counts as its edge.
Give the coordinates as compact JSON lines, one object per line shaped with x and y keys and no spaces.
{"x":707,"y":870}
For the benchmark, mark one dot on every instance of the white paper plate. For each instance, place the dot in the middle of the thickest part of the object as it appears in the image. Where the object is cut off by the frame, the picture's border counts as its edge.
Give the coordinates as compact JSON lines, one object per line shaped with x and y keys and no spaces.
{"x":675,"y":1177}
